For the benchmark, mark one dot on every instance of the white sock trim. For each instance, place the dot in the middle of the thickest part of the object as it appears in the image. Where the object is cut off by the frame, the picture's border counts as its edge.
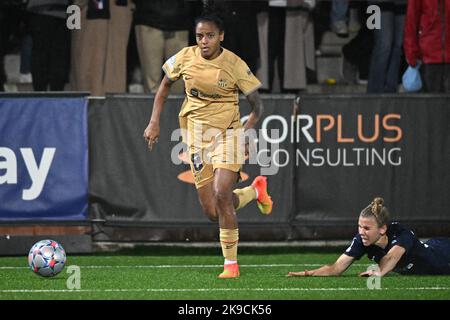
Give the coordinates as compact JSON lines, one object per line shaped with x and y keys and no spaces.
{"x":256,"y":191}
{"x":230,"y":261}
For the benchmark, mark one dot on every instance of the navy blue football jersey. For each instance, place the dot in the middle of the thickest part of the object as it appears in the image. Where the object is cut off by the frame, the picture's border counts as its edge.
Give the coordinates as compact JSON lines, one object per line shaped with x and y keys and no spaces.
{"x":431,"y":257}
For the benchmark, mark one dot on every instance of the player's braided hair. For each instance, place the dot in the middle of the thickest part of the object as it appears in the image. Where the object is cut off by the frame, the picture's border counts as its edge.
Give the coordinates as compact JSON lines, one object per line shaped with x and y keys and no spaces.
{"x":213,"y":12}
{"x":376,"y":210}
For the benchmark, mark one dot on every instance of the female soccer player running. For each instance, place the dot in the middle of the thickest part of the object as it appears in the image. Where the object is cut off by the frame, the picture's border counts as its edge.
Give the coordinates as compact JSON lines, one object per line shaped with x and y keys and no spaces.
{"x":391,"y":245}
{"x":213,"y":77}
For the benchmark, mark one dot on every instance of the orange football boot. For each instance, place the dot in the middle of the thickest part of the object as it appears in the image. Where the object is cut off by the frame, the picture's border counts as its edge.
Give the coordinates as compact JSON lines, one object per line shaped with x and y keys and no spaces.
{"x":264,"y":201}
{"x":230,"y":271}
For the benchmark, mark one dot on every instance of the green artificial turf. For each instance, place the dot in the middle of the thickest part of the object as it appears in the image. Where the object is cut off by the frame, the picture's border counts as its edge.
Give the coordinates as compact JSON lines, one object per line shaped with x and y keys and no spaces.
{"x":191,"y":273}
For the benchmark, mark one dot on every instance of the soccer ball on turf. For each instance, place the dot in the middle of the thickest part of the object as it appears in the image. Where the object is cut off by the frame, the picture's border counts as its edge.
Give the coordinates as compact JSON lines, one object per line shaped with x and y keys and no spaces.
{"x":47,"y":258}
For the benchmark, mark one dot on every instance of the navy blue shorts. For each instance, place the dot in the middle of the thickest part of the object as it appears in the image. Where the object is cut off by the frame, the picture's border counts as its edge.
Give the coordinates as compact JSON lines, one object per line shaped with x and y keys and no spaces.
{"x":441,"y":249}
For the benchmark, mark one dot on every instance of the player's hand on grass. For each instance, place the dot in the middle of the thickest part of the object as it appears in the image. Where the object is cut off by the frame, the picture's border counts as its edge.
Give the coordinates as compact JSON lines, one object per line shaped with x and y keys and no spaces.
{"x":151,"y":134}
{"x":370,"y":273}
{"x":305,"y":273}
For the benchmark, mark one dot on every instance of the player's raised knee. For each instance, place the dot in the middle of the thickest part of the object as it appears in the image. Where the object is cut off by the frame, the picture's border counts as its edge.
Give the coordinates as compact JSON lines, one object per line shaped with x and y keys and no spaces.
{"x":222,"y":197}
{"x":209,"y":209}
{"x":211,"y":213}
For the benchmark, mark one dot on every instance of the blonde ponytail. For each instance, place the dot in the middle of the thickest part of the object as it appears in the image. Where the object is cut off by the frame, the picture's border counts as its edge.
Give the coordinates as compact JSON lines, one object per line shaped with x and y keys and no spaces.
{"x":376,"y":210}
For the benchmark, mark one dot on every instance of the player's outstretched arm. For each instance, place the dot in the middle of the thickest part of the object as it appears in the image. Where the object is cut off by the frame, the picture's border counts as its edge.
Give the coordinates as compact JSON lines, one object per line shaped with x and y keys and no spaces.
{"x":335,"y":269}
{"x":151,"y":133}
{"x":257,"y":109}
{"x":387,"y":263}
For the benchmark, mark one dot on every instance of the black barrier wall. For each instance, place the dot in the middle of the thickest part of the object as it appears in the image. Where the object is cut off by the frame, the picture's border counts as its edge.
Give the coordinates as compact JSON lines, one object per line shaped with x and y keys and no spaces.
{"x":396,"y":147}
{"x":133,"y":188}
{"x":335,"y":154}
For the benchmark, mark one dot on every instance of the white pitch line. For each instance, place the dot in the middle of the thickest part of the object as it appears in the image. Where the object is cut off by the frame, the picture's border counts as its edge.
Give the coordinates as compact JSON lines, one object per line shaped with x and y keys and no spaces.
{"x":164,"y":266}
{"x":167,"y":266}
{"x":214,"y":289}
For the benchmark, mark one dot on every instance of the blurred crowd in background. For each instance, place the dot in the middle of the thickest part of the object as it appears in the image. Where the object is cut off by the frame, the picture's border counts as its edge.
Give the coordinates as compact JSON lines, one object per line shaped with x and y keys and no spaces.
{"x":122,"y":43}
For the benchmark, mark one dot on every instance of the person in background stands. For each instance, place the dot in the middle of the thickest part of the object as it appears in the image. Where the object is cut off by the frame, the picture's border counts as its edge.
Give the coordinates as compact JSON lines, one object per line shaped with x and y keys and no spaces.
{"x":427,"y":40}
{"x":386,"y":57}
{"x":50,"y":53}
{"x":162,"y":29}
{"x":98,"y":56}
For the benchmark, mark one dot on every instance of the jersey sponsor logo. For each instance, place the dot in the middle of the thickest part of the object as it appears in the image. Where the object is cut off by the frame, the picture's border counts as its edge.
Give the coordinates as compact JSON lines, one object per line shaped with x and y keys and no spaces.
{"x":197,"y":93}
{"x":212,"y":96}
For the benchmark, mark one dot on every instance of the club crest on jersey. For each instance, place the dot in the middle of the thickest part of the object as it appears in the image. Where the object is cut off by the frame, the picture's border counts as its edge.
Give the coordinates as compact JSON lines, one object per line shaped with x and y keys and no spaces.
{"x":222,"y":83}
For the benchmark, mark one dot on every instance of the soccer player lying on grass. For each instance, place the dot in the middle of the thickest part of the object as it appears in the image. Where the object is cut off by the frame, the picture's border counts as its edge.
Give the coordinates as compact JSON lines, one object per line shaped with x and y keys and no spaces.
{"x":392,"y":246}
